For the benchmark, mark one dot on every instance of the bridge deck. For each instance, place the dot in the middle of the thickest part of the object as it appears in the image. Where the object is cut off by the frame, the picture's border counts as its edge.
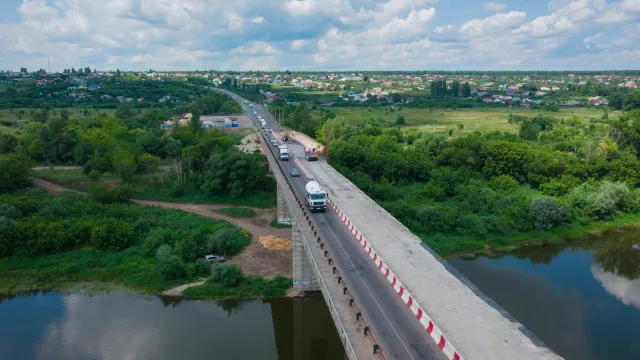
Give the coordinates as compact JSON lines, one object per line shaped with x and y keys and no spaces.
{"x":477,"y":329}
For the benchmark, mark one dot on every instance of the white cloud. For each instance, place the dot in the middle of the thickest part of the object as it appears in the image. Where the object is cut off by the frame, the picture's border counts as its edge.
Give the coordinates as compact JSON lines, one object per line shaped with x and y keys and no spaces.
{"x":494,"y":6}
{"x":316,"y":34}
{"x":613,"y":16}
{"x":299,"y":44}
{"x":630,"y":5}
{"x":256,"y":48}
{"x":500,"y":22}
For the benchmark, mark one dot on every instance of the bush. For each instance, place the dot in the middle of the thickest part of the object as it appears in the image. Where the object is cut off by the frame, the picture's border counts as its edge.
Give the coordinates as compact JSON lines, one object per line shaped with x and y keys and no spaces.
{"x":155,"y":239}
{"x":142,"y":226}
{"x":177,"y":190}
{"x":228,"y":275}
{"x":148,"y":163}
{"x":8,"y":211}
{"x":226,"y":241}
{"x":112,"y":234}
{"x":170,"y":266}
{"x":109,"y":194}
{"x":503,"y":183}
{"x":600,"y":202}
{"x":14,"y":173}
{"x":470,"y":224}
{"x":560,"y":187}
{"x":546,"y":213}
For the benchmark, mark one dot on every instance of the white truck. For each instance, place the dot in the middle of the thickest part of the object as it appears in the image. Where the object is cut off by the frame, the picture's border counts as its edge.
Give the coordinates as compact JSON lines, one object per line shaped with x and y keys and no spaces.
{"x":315,"y":197}
{"x":263,"y":123}
{"x":284,"y":152}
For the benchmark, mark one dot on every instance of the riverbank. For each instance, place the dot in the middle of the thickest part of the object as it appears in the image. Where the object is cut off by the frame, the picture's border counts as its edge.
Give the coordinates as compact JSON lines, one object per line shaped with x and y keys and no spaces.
{"x":66,"y":252}
{"x":498,"y":246}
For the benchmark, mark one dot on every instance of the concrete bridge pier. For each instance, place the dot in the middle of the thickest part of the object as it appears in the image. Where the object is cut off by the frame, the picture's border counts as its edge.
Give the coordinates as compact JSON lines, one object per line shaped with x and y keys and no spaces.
{"x":304,"y":278}
{"x":284,"y":215}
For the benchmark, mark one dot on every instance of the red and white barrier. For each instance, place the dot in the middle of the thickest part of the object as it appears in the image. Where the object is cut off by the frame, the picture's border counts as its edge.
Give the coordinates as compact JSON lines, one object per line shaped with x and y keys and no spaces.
{"x":302,"y":168}
{"x":424,"y":319}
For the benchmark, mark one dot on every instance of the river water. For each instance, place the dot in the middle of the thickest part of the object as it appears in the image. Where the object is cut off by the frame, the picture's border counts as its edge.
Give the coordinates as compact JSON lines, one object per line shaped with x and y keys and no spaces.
{"x":582,"y":299}
{"x":123,"y":327}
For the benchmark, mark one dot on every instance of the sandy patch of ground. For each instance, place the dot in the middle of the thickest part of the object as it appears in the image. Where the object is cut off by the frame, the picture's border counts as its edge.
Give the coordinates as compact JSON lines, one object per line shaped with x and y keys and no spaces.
{"x":250,"y":144}
{"x":177,"y":291}
{"x":274,"y":243}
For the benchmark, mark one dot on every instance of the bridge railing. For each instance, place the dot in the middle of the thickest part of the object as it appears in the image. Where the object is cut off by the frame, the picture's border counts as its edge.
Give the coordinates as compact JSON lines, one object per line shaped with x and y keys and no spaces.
{"x":360,"y":319}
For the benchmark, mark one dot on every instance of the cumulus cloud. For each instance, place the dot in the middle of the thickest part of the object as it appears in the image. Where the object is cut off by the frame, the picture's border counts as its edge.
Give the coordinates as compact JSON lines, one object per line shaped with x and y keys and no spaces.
{"x":500,"y":22}
{"x":494,"y":6}
{"x":311,"y":34}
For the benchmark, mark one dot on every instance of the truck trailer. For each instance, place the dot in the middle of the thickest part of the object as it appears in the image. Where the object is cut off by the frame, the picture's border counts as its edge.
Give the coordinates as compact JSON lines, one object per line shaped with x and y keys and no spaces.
{"x":315,"y":197}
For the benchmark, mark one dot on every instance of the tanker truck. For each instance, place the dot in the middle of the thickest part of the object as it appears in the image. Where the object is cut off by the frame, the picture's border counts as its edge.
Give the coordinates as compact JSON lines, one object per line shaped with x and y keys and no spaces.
{"x":315,"y":197}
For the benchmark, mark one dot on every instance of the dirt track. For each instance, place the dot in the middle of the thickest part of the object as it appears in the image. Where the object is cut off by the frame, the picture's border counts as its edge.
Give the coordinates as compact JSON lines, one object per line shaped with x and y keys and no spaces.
{"x":254,"y":260}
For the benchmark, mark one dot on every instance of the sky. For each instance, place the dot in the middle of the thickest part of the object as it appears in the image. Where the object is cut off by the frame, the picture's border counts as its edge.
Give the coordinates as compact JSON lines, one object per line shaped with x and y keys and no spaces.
{"x":320,"y":34}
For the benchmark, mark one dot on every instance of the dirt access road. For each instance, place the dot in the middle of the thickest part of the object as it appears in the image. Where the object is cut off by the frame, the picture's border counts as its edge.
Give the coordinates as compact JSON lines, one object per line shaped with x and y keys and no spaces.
{"x":254,"y":260}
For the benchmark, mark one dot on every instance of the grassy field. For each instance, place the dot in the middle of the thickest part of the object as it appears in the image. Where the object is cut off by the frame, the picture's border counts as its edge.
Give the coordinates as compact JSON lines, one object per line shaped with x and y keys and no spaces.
{"x":440,"y":120}
{"x":145,"y":187}
{"x":20,"y":118}
{"x":238,"y":212}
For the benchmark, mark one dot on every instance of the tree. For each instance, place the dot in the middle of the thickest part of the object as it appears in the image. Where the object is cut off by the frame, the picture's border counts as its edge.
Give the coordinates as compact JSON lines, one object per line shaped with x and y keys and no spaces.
{"x":616,"y":100}
{"x":632,"y":100}
{"x":400,"y":120}
{"x":170,"y":266}
{"x":466,"y":90}
{"x":195,"y":123}
{"x":14,"y":172}
{"x":606,"y":147}
{"x":228,"y":276}
{"x":223,"y":242}
{"x":8,"y":142}
{"x":546,"y":213}
{"x":455,"y":88}
{"x":365,"y":78}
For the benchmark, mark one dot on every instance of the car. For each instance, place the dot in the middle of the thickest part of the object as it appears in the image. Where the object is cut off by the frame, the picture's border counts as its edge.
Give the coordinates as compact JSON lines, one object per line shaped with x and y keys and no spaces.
{"x":214,"y":258}
{"x":275,"y":143}
{"x":295,"y":172}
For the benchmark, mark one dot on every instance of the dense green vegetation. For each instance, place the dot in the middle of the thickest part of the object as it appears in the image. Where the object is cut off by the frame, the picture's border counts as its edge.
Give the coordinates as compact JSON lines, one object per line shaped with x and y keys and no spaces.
{"x":127,"y":149}
{"x":238,"y":212}
{"x":229,"y":282}
{"x":48,"y":241}
{"x":487,"y":190}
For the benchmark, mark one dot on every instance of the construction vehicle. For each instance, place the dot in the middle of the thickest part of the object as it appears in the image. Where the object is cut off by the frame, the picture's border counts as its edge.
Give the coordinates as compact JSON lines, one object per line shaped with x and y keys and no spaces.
{"x":311,"y":154}
{"x":315,"y":197}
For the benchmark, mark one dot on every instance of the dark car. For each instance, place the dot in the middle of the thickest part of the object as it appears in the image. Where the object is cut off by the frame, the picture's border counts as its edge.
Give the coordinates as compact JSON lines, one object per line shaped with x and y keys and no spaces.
{"x":295,"y":172}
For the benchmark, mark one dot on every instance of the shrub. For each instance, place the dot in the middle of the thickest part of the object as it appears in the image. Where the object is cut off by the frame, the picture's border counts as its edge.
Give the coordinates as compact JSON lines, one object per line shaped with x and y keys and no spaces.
{"x":111,"y":234}
{"x":600,"y":202}
{"x":148,"y":163}
{"x":170,"y":266}
{"x":225,"y":241}
{"x":8,"y":211}
{"x":177,"y":190}
{"x":503,"y":183}
{"x":155,"y":239}
{"x":470,"y":224}
{"x":142,"y":226}
{"x":546,"y":213}
{"x":228,"y":275}
{"x":109,"y":194}
{"x":436,"y":219}
{"x":560,"y":187}
{"x":14,"y":173}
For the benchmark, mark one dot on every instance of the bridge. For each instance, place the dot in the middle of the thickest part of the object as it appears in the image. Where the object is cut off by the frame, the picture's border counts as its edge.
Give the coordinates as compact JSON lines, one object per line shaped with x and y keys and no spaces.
{"x":389,"y":295}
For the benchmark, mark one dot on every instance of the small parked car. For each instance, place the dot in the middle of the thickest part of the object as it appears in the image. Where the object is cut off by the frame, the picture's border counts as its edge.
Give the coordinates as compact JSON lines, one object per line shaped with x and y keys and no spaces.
{"x":295,"y":172}
{"x":214,"y":258}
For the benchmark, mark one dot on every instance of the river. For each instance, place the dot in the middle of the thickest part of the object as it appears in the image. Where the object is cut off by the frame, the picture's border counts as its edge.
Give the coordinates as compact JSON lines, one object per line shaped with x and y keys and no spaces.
{"x":126,"y":327}
{"x":581,"y":298}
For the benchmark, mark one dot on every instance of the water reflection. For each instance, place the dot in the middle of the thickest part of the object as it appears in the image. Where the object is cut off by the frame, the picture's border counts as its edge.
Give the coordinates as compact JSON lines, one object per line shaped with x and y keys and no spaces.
{"x":582,"y":298}
{"x":118,"y":326}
